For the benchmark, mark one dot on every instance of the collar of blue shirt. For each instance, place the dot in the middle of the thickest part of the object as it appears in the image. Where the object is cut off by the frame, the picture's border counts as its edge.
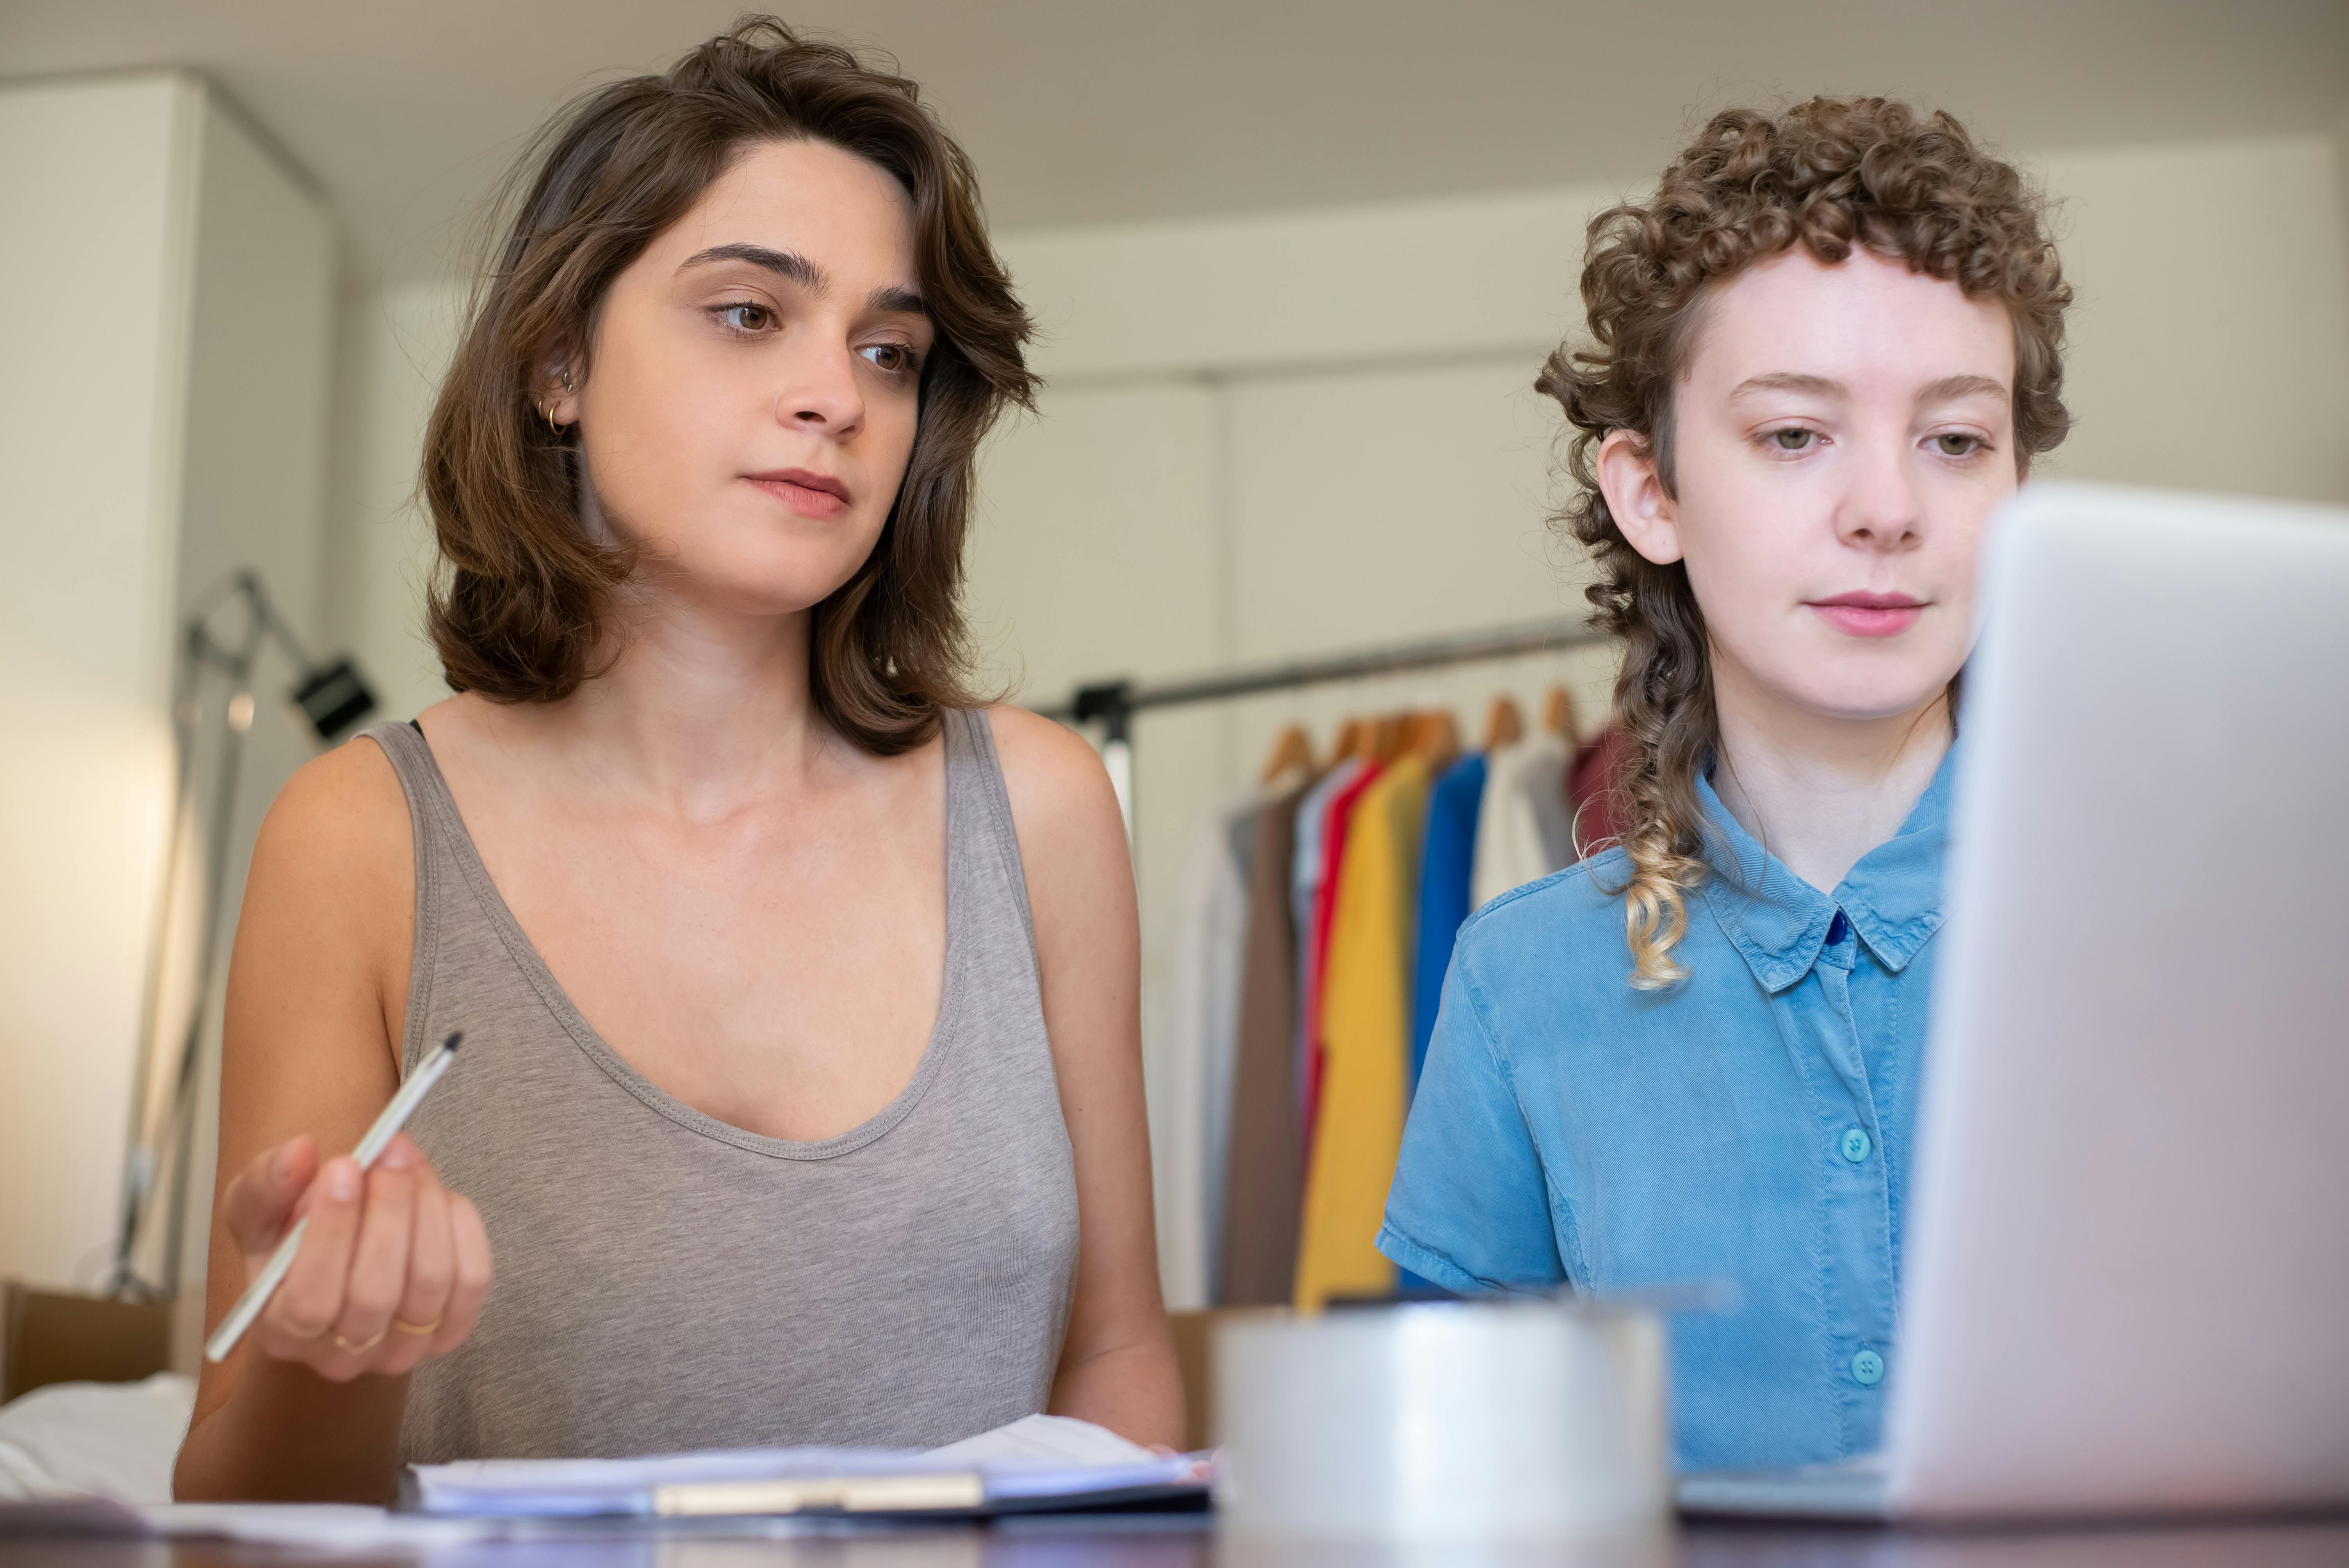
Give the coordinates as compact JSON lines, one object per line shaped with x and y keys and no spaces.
{"x":1892,"y":898}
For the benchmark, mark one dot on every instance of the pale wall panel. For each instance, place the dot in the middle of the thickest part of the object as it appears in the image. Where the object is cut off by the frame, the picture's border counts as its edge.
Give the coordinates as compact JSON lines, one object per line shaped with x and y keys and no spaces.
{"x":260,"y":355}
{"x":2210,"y":339}
{"x":1394,"y":281}
{"x":96,"y":180}
{"x":1390,"y":505}
{"x":1095,"y":550}
{"x":391,"y":350}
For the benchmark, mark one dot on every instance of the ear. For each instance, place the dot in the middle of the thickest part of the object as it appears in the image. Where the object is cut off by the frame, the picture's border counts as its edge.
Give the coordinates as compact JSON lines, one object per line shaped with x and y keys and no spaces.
{"x":1635,"y":496}
{"x":558,"y":396}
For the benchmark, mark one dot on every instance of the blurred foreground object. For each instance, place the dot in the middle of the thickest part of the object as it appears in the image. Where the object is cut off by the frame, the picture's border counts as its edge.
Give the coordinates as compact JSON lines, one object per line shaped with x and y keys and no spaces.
{"x":1443,"y":1423}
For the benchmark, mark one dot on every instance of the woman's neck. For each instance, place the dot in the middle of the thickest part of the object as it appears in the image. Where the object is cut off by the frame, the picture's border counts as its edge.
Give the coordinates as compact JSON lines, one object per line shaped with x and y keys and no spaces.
{"x":1820,"y":792}
{"x":696,"y":708}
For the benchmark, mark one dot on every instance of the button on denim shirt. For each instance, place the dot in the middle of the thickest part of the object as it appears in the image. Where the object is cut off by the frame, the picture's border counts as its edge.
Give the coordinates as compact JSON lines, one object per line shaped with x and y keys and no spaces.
{"x":1750,"y":1123}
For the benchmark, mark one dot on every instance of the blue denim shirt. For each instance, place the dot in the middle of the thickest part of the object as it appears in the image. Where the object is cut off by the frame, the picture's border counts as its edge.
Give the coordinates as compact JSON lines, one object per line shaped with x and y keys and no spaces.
{"x":1751,"y":1123}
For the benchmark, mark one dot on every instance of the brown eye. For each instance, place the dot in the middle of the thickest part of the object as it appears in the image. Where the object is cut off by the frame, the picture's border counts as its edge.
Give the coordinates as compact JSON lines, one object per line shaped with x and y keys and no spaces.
{"x":746,"y":316}
{"x":1956,"y":446}
{"x":895,"y":358}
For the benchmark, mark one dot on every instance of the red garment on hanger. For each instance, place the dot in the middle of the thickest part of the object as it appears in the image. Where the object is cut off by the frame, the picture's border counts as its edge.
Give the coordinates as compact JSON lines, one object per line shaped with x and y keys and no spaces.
{"x":1590,"y":797}
{"x":1325,"y":903}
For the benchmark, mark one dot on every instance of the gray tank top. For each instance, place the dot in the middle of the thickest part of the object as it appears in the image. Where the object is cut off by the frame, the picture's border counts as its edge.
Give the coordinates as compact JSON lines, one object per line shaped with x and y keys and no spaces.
{"x":666,"y":1281}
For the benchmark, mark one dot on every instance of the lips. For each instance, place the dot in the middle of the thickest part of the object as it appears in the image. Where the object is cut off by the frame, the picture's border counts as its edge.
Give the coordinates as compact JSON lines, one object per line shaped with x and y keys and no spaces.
{"x":1863,"y":614}
{"x":805,"y":491}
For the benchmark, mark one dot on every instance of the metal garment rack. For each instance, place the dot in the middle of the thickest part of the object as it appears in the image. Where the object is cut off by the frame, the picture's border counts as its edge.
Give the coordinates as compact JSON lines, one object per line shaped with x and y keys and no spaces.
{"x":1114,"y":704}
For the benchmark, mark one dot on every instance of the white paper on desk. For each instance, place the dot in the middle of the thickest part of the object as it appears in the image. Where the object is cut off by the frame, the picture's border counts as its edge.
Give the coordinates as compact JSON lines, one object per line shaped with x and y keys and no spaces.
{"x":336,"y":1526}
{"x":1059,"y":1455}
{"x":329,"y":1524}
{"x":1039,"y":1456}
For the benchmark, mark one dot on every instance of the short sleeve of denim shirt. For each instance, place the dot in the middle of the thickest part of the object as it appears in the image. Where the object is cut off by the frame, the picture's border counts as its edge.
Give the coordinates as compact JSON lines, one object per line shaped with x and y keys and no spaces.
{"x":1471,"y":1222}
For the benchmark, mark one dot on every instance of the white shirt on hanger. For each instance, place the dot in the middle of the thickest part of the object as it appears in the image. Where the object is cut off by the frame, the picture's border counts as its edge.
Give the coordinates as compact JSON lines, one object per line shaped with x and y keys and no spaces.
{"x":1191,"y":1091}
{"x":1523,"y":830}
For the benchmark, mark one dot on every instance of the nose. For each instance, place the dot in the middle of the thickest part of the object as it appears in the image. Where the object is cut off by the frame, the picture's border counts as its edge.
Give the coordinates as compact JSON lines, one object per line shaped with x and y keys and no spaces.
{"x":1881,"y":510}
{"x":820,"y":393}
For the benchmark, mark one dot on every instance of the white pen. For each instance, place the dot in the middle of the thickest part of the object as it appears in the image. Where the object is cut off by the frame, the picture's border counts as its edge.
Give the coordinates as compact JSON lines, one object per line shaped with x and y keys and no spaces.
{"x":395,"y":1116}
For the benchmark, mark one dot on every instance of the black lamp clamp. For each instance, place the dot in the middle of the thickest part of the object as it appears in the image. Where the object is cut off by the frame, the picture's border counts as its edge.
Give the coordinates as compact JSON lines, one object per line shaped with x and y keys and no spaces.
{"x":1111,"y":702}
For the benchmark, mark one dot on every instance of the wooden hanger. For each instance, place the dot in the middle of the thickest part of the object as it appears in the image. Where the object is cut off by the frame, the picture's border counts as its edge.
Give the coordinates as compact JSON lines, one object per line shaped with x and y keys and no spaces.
{"x":1291,"y":749}
{"x":1504,"y":725}
{"x":1349,"y":741}
{"x":1558,"y":713}
{"x":1386,"y":737}
{"x":1410,"y":726}
{"x":1438,"y":741}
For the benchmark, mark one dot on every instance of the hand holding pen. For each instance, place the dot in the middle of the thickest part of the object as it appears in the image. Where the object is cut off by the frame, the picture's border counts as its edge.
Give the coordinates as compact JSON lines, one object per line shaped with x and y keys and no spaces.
{"x":366,"y":1263}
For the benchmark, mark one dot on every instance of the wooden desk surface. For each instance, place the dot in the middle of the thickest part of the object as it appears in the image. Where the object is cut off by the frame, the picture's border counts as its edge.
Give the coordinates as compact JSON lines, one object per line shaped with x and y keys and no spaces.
{"x":1192,"y":1543}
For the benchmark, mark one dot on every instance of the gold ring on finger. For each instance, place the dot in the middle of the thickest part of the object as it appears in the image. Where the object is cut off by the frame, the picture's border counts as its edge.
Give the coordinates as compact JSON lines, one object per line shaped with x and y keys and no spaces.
{"x":366,"y":1345}
{"x":405,"y":1326}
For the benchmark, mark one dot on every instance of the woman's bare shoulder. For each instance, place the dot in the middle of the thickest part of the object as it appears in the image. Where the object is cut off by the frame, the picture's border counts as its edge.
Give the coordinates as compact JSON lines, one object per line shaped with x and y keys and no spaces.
{"x":335,"y":850}
{"x":323,"y":947}
{"x":1051,"y":772}
{"x":344,"y":806}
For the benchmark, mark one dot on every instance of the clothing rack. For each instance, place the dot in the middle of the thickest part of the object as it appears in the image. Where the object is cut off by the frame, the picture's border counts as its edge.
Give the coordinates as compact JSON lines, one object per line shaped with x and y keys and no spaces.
{"x":1114,"y":704}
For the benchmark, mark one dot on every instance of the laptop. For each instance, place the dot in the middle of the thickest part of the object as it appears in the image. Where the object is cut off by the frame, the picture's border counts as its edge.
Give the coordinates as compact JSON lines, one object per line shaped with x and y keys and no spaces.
{"x":2126,"y":1265}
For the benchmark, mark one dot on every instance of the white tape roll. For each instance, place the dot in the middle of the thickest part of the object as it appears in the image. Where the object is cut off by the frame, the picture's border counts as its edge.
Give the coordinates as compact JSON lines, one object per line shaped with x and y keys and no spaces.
{"x":1452,"y":1422}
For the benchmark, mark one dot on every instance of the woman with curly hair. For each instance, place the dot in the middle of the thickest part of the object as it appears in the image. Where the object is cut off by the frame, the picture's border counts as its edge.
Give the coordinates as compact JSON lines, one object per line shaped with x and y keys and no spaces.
{"x":1821,"y":356}
{"x":799,"y":1100}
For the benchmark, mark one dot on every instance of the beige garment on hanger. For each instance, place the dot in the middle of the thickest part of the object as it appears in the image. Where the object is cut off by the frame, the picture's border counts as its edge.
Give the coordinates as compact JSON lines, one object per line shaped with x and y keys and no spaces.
{"x":1524,"y":828}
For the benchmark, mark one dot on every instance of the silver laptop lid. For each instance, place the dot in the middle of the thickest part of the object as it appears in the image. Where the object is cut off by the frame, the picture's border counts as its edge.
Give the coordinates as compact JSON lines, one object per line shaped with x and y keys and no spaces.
{"x":2126,"y":1278}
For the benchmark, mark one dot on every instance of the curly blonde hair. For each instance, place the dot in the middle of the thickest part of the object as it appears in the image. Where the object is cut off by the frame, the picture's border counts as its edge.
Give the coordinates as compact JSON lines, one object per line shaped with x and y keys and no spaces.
{"x":1828,"y":175}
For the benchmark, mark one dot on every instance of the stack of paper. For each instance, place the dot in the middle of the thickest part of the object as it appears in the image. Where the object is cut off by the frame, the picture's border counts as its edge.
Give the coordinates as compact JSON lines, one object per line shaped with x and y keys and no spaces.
{"x":1041,"y":1462}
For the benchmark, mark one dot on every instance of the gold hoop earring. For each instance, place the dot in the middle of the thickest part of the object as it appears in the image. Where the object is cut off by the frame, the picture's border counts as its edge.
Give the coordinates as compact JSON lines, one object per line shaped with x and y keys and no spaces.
{"x":546,"y":412}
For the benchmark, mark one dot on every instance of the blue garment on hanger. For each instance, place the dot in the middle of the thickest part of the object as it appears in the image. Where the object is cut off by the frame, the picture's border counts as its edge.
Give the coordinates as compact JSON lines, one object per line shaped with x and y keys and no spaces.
{"x":1447,"y":857}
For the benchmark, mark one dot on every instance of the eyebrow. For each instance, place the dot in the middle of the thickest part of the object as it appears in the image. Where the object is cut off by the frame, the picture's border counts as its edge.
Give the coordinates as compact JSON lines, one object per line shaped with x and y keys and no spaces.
{"x":904,"y":301}
{"x":889,"y":298}
{"x":1788,"y":381}
{"x":1942,"y":391}
{"x":1954,"y":386}
{"x":783,"y":264}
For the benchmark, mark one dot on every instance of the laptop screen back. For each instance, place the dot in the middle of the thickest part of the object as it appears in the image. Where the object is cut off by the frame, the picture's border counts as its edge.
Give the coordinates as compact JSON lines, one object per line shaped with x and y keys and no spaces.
{"x":2127,"y":1263}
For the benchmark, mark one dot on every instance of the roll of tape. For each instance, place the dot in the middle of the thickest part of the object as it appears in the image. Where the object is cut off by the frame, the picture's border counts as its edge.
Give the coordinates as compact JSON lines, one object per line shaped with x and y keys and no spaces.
{"x":1443,"y":1422}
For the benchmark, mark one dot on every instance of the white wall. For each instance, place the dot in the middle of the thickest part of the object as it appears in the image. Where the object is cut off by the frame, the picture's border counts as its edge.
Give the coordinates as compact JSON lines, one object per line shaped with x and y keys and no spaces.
{"x":2210,"y":343}
{"x":391,"y":346}
{"x":1315,"y":431}
{"x":90,"y":415}
{"x":166,"y":294}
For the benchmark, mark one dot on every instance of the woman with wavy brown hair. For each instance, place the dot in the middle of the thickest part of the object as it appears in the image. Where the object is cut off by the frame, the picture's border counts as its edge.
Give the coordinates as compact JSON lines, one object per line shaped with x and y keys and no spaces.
{"x":800,"y":1095}
{"x":1820,"y":357}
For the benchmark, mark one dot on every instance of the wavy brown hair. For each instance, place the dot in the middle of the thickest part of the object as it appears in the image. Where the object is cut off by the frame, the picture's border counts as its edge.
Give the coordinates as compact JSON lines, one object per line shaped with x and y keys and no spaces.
{"x":1828,"y":175}
{"x":515,"y":605}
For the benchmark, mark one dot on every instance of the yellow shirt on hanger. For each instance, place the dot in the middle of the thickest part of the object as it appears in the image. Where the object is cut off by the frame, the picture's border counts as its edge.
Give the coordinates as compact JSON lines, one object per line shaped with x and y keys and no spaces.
{"x":1366,"y":1042}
